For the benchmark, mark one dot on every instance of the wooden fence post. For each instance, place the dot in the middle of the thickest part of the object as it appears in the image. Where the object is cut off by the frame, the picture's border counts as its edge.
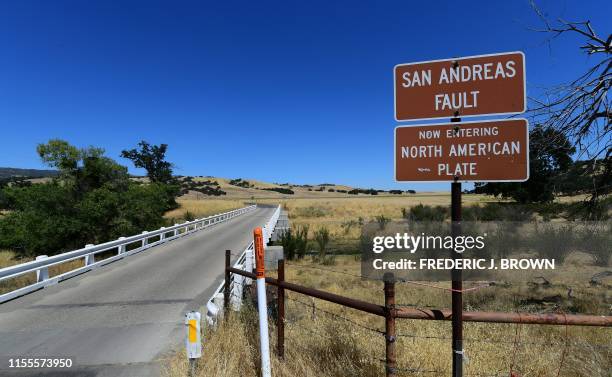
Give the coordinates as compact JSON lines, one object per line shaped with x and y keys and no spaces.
{"x":390,"y":337}
{"x":226,"y":288}
{"x":280,"y":318}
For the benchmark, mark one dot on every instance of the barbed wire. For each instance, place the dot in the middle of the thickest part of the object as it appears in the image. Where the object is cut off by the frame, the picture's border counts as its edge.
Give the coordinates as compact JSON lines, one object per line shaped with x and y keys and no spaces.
{"x":515,"y":342}
{"x":471,"y":289}
{"x":416,"y":306}
{"x":364,"y":360}
{"x":338,"y":316}
{"x":417,"y":370}
{"x":295,"y":323}
{"x":328,"y":270}
{"x":491,"y":341}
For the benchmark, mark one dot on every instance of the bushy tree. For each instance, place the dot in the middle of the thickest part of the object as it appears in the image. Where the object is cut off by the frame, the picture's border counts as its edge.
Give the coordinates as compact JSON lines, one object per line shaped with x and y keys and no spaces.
{"x":153,"y":159}
{"x":91,"y":201}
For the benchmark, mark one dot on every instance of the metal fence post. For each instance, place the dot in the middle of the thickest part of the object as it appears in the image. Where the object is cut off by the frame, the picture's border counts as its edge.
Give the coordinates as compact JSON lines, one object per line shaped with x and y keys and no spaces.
{"x":390,"y":336}
{"x":226,"y":288}
{"x":280,"y":319}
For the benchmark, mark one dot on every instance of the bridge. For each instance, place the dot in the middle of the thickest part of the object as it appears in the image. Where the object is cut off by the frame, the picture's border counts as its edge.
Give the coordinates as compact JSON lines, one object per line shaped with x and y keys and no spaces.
{"x":121,"y":316}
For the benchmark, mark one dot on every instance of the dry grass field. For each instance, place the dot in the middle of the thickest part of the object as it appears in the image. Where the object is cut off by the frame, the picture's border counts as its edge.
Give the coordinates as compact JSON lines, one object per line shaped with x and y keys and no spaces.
{"x":332,"y":341}
{"x":202,"y":208}
{"x":331,"y":212}
{"x":320,"y":343}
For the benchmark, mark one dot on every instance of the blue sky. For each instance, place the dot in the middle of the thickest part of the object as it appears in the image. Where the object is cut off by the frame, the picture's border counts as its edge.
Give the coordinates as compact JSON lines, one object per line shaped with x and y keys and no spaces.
{"x":279,"y":91}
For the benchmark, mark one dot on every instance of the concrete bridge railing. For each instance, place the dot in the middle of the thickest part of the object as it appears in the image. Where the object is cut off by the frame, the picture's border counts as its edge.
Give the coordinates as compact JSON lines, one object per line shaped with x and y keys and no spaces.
{"x":124,"y":246}
{"x":245,"y":262}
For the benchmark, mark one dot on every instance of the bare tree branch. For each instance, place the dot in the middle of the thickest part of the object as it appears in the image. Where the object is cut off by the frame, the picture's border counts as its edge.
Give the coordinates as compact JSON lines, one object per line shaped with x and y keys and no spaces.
{"x":581,"y":109}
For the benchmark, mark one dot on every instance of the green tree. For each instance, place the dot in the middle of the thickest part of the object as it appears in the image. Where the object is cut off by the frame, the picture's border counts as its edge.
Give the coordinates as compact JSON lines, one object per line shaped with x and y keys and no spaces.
{"x":153,"y":159}
{"x":550,"y":154}
{"x":86,"y":169}
{"x":91,"y":201}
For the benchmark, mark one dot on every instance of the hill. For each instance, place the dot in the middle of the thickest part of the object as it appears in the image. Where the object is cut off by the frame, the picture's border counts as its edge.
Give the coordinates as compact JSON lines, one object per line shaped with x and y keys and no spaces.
{"x":26,"y":173}
{"x":243,"y":188}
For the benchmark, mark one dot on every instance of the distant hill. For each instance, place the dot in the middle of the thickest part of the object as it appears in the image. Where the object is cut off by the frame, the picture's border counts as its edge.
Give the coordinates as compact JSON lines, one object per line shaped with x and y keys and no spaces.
{"x":26,"y":173}
{"x":201,"y":187}
{"x":238,"y":188}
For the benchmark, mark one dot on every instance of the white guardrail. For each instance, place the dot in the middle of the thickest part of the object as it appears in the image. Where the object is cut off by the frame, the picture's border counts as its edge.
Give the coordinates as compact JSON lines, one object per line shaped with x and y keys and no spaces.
{"x":245,"y":262}
{"x":42,"y":263}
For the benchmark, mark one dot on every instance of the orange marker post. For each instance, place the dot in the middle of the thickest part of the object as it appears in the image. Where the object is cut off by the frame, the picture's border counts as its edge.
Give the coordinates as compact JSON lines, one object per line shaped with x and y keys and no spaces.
{"x":259,"y":254}
{"x":262,"y":306}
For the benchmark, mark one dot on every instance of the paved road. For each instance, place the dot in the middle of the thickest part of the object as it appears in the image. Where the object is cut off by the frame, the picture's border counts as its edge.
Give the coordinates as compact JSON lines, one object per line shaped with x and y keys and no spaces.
{"x":120,"y":319}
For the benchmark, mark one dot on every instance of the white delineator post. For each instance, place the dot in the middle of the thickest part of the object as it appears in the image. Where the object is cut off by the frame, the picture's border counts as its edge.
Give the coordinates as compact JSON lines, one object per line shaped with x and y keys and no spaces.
{"x":262,"y":305}
{"x":193,"y":343}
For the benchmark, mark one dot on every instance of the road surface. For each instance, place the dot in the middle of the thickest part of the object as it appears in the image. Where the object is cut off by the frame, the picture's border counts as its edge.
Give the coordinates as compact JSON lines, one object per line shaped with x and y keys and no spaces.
{"x":123,"y":318}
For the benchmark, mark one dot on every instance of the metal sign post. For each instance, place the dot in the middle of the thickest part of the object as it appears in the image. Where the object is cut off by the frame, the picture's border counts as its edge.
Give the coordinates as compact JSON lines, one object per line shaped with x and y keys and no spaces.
{"x":486,"y":151}
{"x":456,"y":278}
{"x":262,"y":305}
{"x":193,"y":342}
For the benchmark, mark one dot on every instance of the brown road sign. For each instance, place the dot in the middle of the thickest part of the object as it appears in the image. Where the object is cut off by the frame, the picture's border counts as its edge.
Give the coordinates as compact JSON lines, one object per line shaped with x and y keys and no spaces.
{"x":460,"y":87}
{"x":496,"y":150}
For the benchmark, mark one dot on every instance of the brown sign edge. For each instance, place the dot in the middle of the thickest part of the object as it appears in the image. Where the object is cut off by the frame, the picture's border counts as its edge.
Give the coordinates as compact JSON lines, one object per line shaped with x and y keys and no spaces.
{"x":460,"y":58}
{"x":459,"y":124}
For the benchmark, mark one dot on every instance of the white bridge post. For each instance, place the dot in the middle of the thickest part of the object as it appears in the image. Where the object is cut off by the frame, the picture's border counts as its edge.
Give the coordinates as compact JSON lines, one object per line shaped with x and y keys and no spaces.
{"x":89,"y":258}
{"x":42,"y":274}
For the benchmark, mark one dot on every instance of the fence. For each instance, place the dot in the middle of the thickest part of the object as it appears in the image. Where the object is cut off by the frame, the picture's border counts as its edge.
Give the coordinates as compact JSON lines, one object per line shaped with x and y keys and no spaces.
{"x":391,"y":312}
{"x":234,"y":288}
{"x":124,"y":246}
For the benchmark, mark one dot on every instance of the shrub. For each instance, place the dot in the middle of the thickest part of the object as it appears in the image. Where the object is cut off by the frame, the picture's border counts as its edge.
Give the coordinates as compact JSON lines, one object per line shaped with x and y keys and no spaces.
{"x":347,"y":225}
{"x":502,"y":240}
{"x":590,"y":210}
{"x":281,"y":190}
{"x":362,"y":191}
{"x":309,"y":212}
{"x":496,"y":212}
{"x":382,"y":221}
{"x":321,"y":237}
{"x":241,"y":183}
{"x":553,"y":242}
{"x":422,"y":212}
{"x":189,"y":216}
{"x":289,"y":242}
{"x":597,"y":241}
{"x":301,"y":237}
